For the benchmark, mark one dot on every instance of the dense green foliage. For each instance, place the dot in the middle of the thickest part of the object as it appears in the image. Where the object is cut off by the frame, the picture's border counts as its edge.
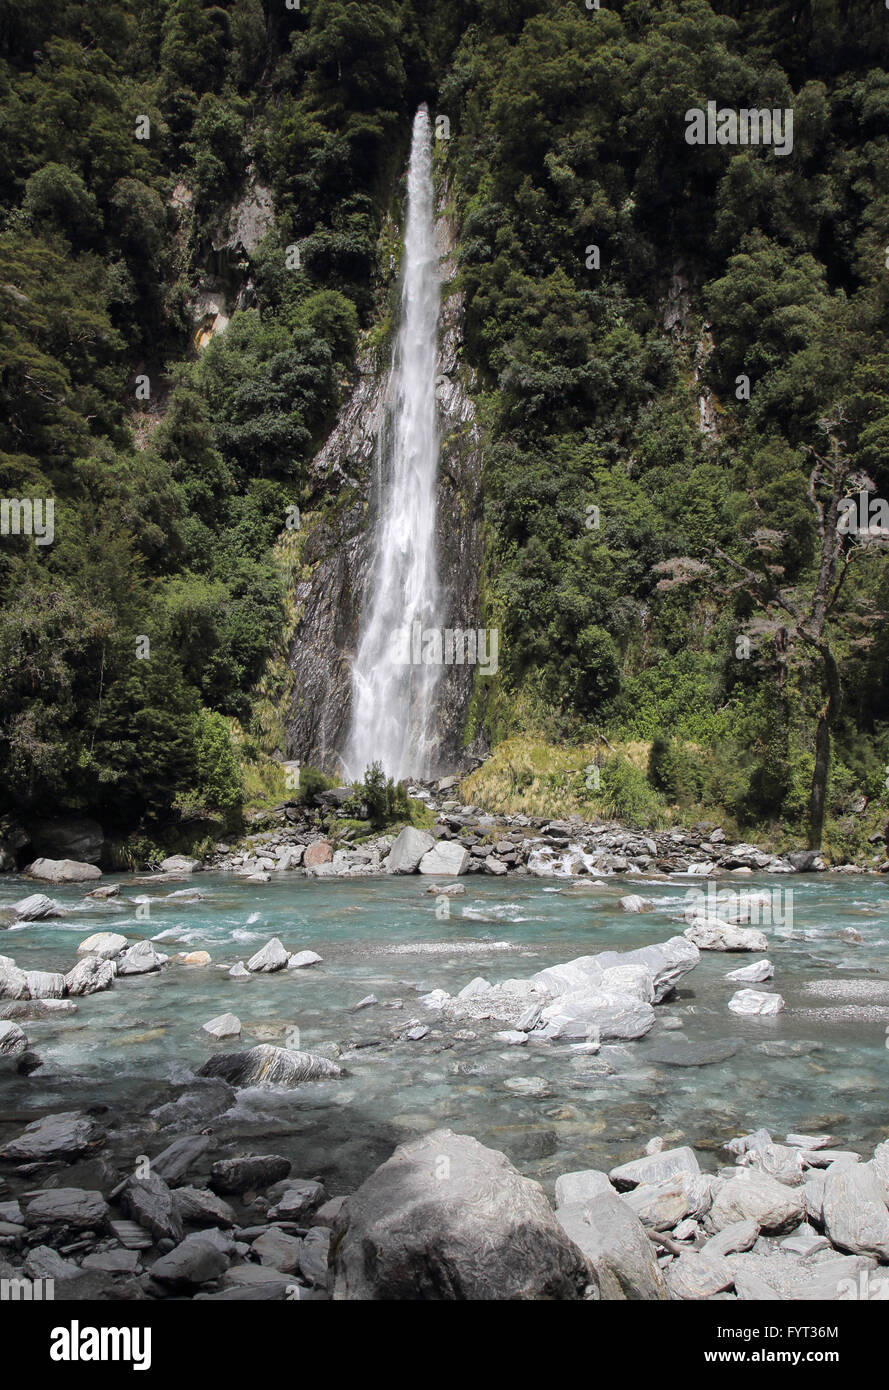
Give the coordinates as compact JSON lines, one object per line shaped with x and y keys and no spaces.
{"x":604,"y":496}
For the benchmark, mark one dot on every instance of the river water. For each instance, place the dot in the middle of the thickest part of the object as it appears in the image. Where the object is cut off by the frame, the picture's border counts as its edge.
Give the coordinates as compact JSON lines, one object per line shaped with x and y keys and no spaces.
{"x":821,"y":1065}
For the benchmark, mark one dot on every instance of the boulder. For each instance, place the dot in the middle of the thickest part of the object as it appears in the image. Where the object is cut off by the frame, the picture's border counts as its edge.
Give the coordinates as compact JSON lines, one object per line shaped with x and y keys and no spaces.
{"x":446,"y":857}
{"x":447,"y":1219}
{"x":12,"y":1040}
{"x":252,"y":1173}
{"x":265,"y":1065}
{"x":13,"y":982}
{"x":89,"y":976}
{"x":140,"y":959}
{"x":666,"y":962}
{"x":407,"y":851}
{"x":754,"y":1002}
{"x":45,"y":984}
{"x":197,"y":1259}
{"x":276,"y":1248}
{"x":654,"y":1168}
{"x":104,"y":944}
{"x":37,"y":907}
{"x":75,"y":838}
{"x":753,"y":974}
{"x":301,"y":959}
{"x":223,"y":1026}
{"x":197,"y":1206}
{"x":754,"y":1196}
{"x":319,"y":852}
{"x":62,"y":871}
{"x":180,"y":864}
{"x":614,"y":1241}
{"x":149,"y":1202}
{"x":662,"y":1205}
{"x":271,"y":957}
{"x":854,"y":1211}
{"x":572,"y":1188}
{"x":633,"y":903}
{"x":66,"y":1135}
{"x":176,"y":1159}
{"x":600,"y":1014}
{"x":68,"y":1206}
{"x":196,"y":958}
{"x":710,"y":934}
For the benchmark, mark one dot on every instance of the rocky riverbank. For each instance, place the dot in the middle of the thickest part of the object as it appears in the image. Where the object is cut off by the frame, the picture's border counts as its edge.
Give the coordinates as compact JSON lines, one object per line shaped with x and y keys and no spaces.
{"x":181,"y":1198}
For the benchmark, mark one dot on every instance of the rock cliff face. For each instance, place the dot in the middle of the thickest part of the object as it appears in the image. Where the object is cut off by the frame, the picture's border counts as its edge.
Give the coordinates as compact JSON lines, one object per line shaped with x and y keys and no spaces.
{"x":339,"y":549}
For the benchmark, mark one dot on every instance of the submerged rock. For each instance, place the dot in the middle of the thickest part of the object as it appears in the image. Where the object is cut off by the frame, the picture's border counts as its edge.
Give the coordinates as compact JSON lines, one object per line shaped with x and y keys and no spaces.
{"x":265,"y":1065}
{"x":447,"y":1219}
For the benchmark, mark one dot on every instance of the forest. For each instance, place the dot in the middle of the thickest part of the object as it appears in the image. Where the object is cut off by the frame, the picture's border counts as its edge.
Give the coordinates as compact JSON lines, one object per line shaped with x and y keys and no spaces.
{"x":680,"y":364}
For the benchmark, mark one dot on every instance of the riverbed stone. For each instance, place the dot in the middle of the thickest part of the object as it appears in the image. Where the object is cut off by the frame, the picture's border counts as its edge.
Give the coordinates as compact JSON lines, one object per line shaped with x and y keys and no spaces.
{"x":62,"y":871}
{"x":67,"y":1134}
{"x":601,"y":1014}
{"x":180,"y":864}
{"x":278,"y":1249}
{"x":855,"y":1216}
{"x":296,"y":1199}
{"x":140,"y":959}
{"x":753,"y":974}
{"x":248,"y":1173}
{"x":300,"y":960}
{"x":200,"y":1257}
{"x":737,"y":1236}
{"x":614,"y":1241}
{"x":13,"y":982}
{"x":711,"y":934}
{"x":223,"y":1026}
{"x":37,"y":907}
{"x":198,"y":1206}
{"x":407,"y":851}
{"x":314,"y":1256}
{"x":580,"y":1186}
{"x":754,"y":1196}
{"x":76,"y":1207}
{"x":692,"y":1276}
{"x":90,"y":976}
{"x":272,"y":956}
{"x":265,"y":1065}
{"x":13,"y":1041}
{"x":149,"y":1202}
{"x":103,"y":944}
{"x":45,"y":984}
{"x":755,"y":1003}
{"x":176,"y":1159}
{"x":447,"y":1219}
{"x":446,"y":857}
{"x":654,"y":1168}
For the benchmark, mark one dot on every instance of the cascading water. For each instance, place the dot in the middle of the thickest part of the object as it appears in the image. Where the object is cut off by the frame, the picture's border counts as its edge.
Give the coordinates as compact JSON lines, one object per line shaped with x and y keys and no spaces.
{"x":393,"y":700}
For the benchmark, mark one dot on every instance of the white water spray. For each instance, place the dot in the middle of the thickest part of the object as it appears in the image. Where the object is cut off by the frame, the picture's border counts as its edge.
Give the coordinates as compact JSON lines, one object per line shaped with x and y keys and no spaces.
{"x":393,"y":704}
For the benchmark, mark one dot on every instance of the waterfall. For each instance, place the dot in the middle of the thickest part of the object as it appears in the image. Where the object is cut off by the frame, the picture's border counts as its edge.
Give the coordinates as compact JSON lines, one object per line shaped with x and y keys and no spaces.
{"x":393,"y":701}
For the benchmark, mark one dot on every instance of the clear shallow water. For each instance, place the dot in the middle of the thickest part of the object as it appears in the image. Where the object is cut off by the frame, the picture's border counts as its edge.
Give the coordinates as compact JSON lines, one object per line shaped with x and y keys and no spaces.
{"x":820,"y":1065}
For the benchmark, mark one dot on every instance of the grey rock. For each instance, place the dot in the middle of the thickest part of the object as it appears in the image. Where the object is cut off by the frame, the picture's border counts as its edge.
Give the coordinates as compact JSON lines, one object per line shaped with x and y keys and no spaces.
{"x":314,"y":1256}
{"x":180,"y":864}
{"x":13,"y":1041}
{"x":66,"y":1135}
{"x":35,"y":908}
{"x":13,"y":982}
{"x":223,"y":1026}
{"x":681,"y":1052}
{"x":113,"y":1262}
{"x":265,"y":1065}
{"x":614,"y":1241}
{"x":62,"y":871}
{"x":300,"y":960}
{"x":271,"y":957}
{"x":104,"y":944}
{"x":175,"y":1160}
{"x":446,"y":857}
{"x":197,"y":1206}
{"x":654,"y":1168}
{"x":141,"y":959}
{"x":407,"y":851}
{"x":279,"y":1250}
{"x":753,"y":974}
{"x":739,"y":1235}
{"x":89,"y":976}
{"x":692,"y":1276}
{"x":447,"y":1219}
{"x":710,"y":934}
{"x":854,"y":1212}
{"x":662,"y":1205}
{"x":754,"y":1196}
{"x":197,"y":1259}
{"x":68,"y":1206}
{"x":328,"y":1212}
{"x":634,"y":903}
{"x":580,"y":1186}
{"x":253,"y":1172}
{"x":42,"y":1262}
{"x":149,"y":1202}
{"x":45,"y":984}
{"x":297,"y":1199}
